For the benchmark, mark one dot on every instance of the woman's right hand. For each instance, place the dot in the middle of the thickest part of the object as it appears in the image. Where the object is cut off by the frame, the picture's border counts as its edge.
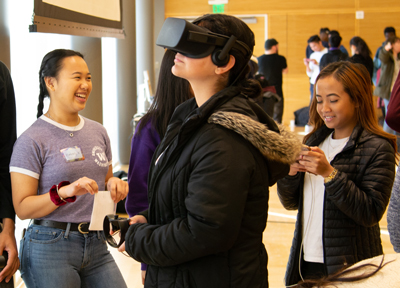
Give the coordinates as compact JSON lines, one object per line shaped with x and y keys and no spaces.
{"x":79,"y":187}
{"x":296,"y":166}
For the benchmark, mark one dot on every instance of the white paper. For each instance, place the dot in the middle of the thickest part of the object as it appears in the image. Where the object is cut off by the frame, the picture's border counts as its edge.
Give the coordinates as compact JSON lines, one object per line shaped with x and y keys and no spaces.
{"x":102,"y":206}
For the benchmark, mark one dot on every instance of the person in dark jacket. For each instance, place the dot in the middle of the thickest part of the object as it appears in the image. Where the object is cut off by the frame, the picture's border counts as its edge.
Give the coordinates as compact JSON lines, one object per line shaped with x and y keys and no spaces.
{"x":341,"y":186}
{"x":361,"y":54}
{"x":7,"y":214}
{"x":388,"y":32}
{"x":209,"y":178}
{"x":390,"y":62}
{"x":334,"y":53}
{"x":171,"y":91}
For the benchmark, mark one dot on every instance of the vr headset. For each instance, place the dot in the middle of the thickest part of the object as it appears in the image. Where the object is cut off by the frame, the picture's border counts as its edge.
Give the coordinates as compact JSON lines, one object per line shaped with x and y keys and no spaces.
{"x":194,"y":41}
{"x":118,"y":226}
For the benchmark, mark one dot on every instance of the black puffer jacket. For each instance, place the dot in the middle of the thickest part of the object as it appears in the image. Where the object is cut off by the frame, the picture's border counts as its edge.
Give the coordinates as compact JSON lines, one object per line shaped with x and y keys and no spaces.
{"x":208,"y":194}
{"x":355,"y":201}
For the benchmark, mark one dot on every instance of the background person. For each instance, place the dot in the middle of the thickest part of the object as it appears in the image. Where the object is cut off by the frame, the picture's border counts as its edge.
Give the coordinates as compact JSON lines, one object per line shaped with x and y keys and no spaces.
{"x":342,"y":186}
{"x":8,"y":134}
{"x":388,"y":32}
{"x":171,"y":91}
{"x":208,"y":183}
{"x":312,"y":64}
{"x":57,"y":166}
{"x":341,"y":47}
{"x":361,"y":54}
{"x":272,"y":66}
{"x":390,"y":66}
{"x":334,"y":53}
{"x":324,"y":36}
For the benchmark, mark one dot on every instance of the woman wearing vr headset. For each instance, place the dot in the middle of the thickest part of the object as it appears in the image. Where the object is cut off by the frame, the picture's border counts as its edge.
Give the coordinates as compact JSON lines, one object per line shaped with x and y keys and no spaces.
{"x":209,"y":178}
{"x":171,"y":91}
{"x":57,"y":166}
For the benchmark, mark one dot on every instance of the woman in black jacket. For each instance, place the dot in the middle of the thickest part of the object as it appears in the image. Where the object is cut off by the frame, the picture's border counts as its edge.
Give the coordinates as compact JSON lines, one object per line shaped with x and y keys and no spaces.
{"x":361,"y":54}
{"x":341,"y":185}
{"x":209,"y":178}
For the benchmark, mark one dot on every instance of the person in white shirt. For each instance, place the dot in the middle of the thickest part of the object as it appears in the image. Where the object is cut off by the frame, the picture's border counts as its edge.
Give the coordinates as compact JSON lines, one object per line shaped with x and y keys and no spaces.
{"x":312,"y":63}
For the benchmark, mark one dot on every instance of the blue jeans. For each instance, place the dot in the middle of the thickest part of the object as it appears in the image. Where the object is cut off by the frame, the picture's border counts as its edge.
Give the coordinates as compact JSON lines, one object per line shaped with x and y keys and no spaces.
{"x":52,"y":257}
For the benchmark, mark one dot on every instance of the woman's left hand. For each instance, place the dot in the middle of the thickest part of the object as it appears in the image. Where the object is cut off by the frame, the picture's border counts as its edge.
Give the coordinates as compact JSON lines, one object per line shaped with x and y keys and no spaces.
{"x":133,"y":220}
{"x":118,"y":188}
{"x":315,"y":162}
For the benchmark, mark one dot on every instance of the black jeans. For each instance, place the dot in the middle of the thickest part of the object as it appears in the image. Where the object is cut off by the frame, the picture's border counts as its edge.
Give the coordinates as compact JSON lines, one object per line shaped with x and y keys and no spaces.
{"x":10,"y":284}
{"x":311,"y":270}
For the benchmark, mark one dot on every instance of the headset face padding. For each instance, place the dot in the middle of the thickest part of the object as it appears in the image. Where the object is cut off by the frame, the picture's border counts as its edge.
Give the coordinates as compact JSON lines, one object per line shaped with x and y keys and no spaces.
{"x":194,"y":41}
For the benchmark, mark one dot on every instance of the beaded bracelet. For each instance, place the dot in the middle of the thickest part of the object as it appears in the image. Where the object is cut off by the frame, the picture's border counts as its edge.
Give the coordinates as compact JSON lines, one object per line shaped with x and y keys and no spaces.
{"x":56,"y":198}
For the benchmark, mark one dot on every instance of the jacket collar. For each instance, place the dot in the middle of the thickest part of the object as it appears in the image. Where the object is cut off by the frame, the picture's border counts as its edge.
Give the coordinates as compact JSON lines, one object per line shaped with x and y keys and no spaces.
{"x":359,"y":135}
{"x":233,"y":110}
{"x":282,"y":145}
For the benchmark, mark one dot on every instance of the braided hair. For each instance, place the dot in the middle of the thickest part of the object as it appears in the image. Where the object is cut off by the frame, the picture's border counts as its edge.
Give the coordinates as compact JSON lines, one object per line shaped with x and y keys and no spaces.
{"x":50,"y":67}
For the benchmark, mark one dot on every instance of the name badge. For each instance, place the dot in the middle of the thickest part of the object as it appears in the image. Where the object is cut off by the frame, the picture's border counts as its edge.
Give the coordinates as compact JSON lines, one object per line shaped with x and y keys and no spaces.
{"x":72,"y":154}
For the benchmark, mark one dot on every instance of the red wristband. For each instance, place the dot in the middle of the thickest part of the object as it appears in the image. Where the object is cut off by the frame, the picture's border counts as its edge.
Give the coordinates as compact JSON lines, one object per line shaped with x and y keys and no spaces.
{"x":56,"y":198}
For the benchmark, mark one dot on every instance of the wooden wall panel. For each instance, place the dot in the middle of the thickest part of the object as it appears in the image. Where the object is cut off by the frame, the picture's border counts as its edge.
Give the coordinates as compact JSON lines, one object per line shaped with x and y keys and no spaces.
{"x":381,"y":4}
{"x":254,"y":6}
{"x":198,"y":7}
{"x":347,"y":29}
{"x":186,"y":8}
{"x":259,"y":32}
{"x":277,"y":28}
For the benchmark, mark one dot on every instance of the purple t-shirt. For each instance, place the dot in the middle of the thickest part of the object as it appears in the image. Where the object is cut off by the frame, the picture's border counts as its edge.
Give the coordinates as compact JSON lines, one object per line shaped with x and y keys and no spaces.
{"x":45,"y":151}
{"x":142,"y":150}
{"x":143,"y":147}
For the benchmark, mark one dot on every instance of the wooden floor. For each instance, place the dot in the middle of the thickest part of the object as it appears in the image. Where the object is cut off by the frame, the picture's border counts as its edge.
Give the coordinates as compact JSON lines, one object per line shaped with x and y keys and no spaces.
{"x":277,"y":238}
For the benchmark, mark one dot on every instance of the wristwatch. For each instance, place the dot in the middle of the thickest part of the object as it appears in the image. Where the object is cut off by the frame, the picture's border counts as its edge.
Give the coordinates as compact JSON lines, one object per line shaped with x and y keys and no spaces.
{"x":331,"y":176}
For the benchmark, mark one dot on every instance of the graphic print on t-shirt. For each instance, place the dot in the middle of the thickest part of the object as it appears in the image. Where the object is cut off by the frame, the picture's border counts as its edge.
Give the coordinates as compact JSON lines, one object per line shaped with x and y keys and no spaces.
{"x":100,"y":156}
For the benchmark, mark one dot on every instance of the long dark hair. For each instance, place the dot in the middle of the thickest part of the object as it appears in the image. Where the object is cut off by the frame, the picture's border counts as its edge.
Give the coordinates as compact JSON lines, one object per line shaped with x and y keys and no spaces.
{"x":361,"y":47}
{"x":357,"y":84}
{"x":230,"y":25}
{"x":50,"y":67}
{"x":341,"y":276}
{"x":171,"y":91}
